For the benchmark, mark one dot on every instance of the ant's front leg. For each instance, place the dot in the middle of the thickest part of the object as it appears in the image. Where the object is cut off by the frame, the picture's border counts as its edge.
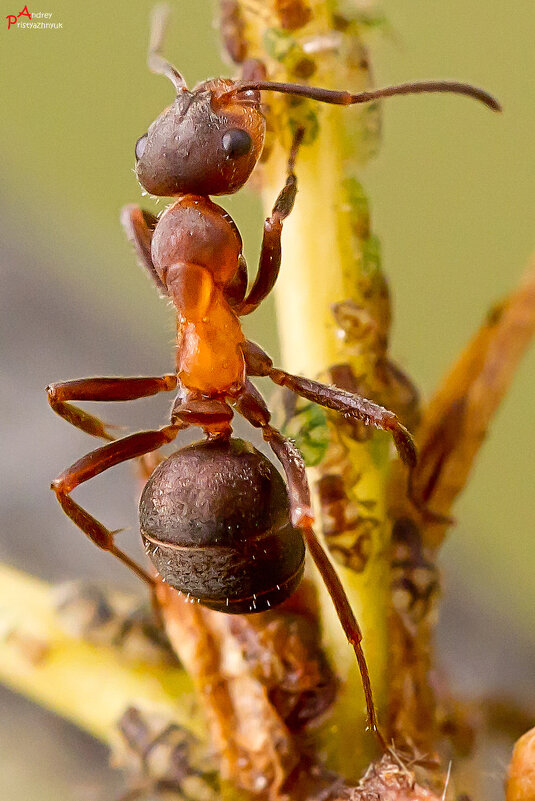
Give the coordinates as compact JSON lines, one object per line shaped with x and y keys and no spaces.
{"x":350,"y":405}
{"x":102,"y":389}
{"x":96,"y":462}
{"x":270,"y":254}
{"x":139,"y":227}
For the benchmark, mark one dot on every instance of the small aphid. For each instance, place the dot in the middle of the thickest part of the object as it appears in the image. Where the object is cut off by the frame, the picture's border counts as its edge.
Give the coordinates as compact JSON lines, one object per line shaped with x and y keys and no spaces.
{"x":208,"y":509}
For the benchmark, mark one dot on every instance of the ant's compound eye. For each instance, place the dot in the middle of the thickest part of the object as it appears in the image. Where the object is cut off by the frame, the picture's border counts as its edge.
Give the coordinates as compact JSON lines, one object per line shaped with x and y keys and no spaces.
{"x":236,"y":143}
{"x":140,"y":146}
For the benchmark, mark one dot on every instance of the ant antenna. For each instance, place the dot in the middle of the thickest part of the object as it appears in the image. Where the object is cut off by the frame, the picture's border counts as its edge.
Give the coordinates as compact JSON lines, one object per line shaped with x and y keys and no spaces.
{"x":347,"y":99}
{"x":156,"y":62}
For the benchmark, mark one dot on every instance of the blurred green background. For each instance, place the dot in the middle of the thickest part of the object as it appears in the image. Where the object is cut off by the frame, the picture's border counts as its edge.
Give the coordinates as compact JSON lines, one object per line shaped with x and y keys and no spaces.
{"x":453,"y":202}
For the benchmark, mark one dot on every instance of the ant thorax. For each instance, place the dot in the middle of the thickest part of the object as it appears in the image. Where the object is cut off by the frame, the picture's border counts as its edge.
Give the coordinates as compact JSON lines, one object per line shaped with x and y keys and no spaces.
{"x":195,"y":230}
{"x":196,"y":250}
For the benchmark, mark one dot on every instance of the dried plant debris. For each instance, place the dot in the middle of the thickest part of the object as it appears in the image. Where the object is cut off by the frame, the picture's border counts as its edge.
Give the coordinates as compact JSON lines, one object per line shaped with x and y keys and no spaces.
{"x":415,"y":580}
{"x":231,"y":31}
{"x":457,"y":418}
{"x":163,"y":759}
{"x":262,"y":680}
{"x":390,"y":779}
{"x":101,"y":616}
{"x":454,"y":426}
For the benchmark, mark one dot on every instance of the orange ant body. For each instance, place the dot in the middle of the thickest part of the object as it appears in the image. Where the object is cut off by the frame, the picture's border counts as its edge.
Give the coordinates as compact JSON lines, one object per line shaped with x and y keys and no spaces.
{"x":210,"y":509}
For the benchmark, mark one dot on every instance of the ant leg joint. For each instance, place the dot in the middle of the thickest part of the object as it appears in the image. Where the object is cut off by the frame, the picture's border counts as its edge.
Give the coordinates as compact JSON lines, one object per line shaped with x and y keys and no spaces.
{"x":302,"y":517}
{"x":278,"y":376}
{"x":170,"y":432}
{"x":252,"y":406}
{"x":52,"y":393}
{"x":257,"y":362}
{"x":61,"y":486}
{"x":97,"y":533}
{"x":170,"y":380}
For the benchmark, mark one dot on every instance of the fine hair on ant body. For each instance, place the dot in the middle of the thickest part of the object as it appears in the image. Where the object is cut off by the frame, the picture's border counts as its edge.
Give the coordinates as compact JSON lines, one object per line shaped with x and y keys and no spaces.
{"x":217,"y":520}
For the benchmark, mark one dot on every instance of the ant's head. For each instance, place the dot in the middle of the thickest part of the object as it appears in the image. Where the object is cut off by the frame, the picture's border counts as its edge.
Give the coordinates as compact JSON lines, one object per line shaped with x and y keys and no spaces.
{"x":207,"y":142}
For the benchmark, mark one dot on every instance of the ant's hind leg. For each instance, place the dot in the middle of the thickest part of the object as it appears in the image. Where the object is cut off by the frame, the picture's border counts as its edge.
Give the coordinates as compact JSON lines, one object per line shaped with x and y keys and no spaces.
{"x":102,"y":389}
{"x":92,"y":465}
{"x":270,"y":254}
{"x":350,"y":405}
{"x":139,"y":226}
{"x":300,"y":505}
{"x":252,"y":406}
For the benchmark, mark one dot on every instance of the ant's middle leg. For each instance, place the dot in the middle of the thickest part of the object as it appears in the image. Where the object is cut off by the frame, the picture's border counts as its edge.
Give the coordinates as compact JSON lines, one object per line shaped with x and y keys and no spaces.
{"x":102,"y":389}
{"x":270,"y":254}
{"x":96,"y":462}
{"x":252,"y":406}
{"x":350,"y":405}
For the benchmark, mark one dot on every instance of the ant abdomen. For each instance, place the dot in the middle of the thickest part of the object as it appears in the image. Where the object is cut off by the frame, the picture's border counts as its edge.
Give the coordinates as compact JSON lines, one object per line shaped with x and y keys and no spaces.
{"x":215,"y":523}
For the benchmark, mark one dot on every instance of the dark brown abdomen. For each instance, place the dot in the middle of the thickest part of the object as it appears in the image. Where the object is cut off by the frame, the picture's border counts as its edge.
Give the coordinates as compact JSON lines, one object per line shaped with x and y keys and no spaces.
{"x":214,"y":521}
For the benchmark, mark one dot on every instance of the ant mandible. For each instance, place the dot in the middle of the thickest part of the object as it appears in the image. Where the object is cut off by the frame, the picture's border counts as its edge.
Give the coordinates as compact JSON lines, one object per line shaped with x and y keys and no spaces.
{"x":216,"y":518}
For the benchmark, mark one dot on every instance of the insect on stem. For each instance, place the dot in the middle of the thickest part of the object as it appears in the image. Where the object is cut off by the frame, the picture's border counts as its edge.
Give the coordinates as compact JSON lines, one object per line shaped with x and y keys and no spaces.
{"x":207,"y":143}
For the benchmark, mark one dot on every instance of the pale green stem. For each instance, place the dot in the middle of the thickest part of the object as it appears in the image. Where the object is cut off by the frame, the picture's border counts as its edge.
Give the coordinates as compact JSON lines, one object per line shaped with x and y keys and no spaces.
{"x":89,"y":685}
{"x":320,"y":268}
{"x":326,"y":260}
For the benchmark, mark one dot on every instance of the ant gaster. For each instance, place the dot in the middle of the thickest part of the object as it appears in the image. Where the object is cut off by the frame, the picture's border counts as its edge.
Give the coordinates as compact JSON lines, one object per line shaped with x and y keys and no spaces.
{"x":217,"y":520}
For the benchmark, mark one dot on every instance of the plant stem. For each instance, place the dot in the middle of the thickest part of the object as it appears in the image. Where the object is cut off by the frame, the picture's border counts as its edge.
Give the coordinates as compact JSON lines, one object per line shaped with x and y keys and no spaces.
{"x":90,"y":685}
{"x":315,"y":275}
{"x":330,"y":261}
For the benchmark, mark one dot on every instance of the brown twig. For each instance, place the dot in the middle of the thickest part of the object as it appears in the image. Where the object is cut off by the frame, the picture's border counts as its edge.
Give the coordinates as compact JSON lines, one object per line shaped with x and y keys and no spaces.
{"x":453,"y":428}
{"x":261,"y":680}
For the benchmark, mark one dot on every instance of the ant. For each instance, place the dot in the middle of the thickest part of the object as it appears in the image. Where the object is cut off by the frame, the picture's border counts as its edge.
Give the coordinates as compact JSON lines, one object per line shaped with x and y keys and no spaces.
{"x":217,"y":519}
